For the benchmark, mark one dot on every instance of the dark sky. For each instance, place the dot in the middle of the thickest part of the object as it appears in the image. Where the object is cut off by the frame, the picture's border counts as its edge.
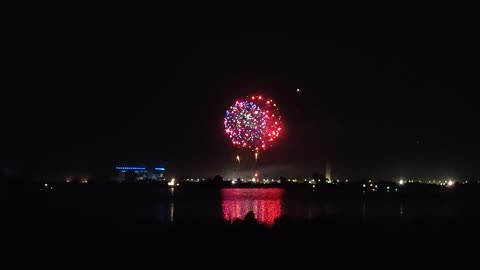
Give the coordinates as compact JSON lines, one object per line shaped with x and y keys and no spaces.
{"x":387,"y":91}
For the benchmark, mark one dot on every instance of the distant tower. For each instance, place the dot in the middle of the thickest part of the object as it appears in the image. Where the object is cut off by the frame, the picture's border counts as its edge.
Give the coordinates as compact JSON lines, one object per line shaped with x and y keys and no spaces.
{"x":328,"y":171}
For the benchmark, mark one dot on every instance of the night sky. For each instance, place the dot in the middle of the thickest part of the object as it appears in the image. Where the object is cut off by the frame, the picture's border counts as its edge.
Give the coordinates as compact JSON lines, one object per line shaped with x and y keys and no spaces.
{"x":387,"y":91}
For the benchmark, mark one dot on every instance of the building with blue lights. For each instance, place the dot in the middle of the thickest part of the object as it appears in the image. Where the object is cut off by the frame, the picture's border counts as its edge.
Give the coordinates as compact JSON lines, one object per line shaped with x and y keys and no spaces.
{"x":139,"y":173}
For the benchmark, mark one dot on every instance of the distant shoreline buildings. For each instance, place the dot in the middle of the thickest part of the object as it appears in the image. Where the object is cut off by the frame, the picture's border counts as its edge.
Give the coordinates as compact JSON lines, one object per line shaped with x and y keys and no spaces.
{"x":139,"y":173}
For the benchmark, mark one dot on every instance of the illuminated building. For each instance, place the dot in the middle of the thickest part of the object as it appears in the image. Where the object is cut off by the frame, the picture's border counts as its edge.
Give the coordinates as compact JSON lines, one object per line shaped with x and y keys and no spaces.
{"x":139,"y":173}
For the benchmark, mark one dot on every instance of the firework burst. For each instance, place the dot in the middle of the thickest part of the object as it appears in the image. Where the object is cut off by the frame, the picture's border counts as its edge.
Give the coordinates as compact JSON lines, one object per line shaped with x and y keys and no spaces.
{"x":253,"y":123}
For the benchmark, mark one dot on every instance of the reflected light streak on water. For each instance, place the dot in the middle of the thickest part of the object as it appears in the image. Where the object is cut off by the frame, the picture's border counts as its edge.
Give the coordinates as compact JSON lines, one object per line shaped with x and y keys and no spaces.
{"x":266,"y":204}
{"x":171,"y":211}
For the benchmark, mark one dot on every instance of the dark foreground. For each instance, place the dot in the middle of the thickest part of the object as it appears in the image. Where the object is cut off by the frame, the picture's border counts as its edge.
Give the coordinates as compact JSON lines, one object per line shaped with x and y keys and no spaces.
{"x":57,"y":231}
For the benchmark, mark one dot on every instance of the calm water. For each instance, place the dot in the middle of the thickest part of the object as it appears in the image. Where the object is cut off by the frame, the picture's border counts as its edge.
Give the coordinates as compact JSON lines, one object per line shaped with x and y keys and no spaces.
{"x":204,"y":205}
{"x":269,"y":204}
{"x":266,"y":204}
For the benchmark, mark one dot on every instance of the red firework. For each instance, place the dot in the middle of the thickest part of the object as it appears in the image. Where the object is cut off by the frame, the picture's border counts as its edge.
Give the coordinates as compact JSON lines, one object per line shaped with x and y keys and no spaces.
{"x":253,"y":123}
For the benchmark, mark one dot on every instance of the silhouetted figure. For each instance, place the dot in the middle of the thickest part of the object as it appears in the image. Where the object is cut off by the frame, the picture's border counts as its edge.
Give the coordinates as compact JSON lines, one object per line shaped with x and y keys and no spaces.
{"x":250,"y":219}
{"x":237,"y":222}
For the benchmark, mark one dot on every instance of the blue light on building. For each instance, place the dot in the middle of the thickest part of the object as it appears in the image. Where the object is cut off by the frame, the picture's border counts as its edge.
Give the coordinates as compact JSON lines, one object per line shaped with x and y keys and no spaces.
{"x":139,"y":173}
{"x":130,"y":168}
